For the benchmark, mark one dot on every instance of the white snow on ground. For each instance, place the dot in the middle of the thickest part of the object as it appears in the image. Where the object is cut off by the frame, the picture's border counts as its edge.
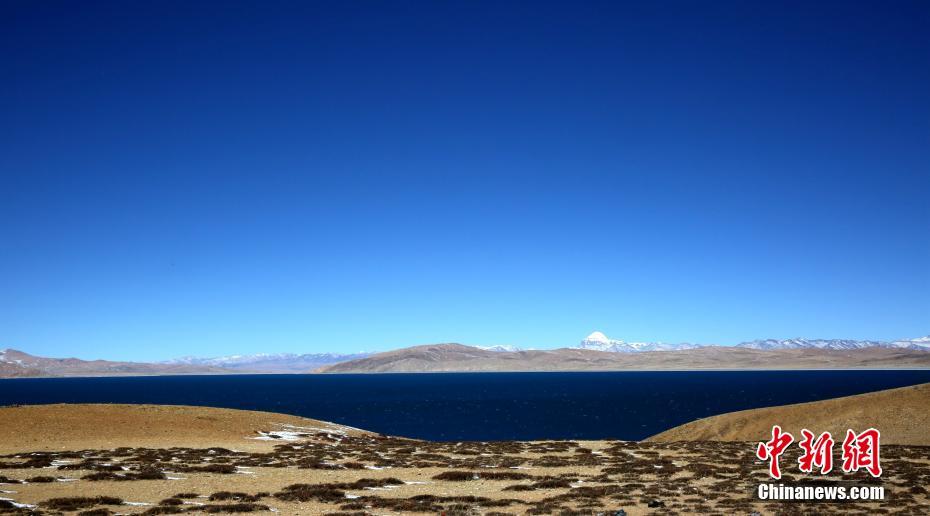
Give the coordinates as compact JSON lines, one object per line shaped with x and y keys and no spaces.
{"x":280,"y":435}
{"x":296,"y":433}
{"x":18,"y":505}
{"x":307,"y":429}
{"x":138,"y":504}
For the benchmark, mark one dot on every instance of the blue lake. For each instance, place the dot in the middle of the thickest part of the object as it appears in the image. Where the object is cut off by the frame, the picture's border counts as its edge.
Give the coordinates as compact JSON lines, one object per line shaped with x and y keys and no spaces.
{"x":478,"y":406}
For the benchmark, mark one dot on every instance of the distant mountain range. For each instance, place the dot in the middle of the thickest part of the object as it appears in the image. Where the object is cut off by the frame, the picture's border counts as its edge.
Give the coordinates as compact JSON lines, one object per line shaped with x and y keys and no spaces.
{"x":15,"y":364}
{"x":270,"y":363}
{"x":599,"y":342}
{"x":599,"y":352}
{"x":920,"y":344}
{"x":460,"y":358}
{"x":595,"y":352}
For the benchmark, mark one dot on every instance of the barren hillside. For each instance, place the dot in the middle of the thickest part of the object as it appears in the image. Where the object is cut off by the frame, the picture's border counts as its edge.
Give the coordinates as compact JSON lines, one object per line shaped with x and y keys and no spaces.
{"x":457,"y":357}
{"x":901,"y":415}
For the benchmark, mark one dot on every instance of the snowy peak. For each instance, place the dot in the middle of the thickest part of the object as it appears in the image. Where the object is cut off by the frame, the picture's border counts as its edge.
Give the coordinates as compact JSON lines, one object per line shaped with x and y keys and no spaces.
{"x":600,"y":342}
{"x":597,"y":337}
{"x":802,"y":343}
{"x":597,"y":341}
{"x":501,"y":348}
{"x":921,"y":343}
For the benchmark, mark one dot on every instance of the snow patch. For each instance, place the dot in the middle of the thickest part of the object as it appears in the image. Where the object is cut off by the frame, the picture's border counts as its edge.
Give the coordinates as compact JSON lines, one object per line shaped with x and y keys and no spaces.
{"x":18,"y":505}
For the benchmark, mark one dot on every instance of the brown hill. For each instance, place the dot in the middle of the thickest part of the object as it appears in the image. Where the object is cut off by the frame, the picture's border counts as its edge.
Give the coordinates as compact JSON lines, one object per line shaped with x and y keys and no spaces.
{"x":14,"y":363}
{"x":901,"y":415}
{"x":107,"y":426}
{"x":14,"y":370}
{"x":460,"y":358}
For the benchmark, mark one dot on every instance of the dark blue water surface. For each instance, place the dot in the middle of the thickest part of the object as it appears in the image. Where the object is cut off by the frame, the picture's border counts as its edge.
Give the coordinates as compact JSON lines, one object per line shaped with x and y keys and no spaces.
{"x":478,"y":406}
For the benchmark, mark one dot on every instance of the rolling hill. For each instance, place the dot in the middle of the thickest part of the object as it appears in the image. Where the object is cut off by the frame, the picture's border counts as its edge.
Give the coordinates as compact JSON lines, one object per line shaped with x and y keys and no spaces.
{"x":461,"y":358}
{"x":17,"y":364}
{"x":900,"y":414}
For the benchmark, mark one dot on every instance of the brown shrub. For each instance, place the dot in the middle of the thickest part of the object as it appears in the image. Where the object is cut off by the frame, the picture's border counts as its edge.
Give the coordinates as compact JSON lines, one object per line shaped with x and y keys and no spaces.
{"x":79,"y":502}
{"x":239,"y":497}
{"x":503,"y":475}
{"x":223,"y":469}
{"x":309,"y":492}
{"x":456,"y":476}
{"x":234,"y":507}
{"x":41,"y":480}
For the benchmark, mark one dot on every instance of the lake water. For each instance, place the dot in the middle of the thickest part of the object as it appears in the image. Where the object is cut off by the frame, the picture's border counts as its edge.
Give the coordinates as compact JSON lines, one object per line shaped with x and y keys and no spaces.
{"x":478,"y":406}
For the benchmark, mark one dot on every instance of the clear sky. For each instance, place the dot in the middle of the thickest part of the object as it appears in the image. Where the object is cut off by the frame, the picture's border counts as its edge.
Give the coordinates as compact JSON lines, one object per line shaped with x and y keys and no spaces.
{"x":202,"y":178}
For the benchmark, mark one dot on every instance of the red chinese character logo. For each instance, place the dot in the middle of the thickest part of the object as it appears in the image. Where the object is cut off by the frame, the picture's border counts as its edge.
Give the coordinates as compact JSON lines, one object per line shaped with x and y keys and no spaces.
{"x":816,"y":453}
{"x":773,"y":449}
{"x":861,"y":451}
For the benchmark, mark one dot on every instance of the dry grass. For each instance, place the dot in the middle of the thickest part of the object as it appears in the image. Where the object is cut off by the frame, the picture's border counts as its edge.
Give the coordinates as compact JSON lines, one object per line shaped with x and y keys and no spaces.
{"x":64,"y":426}
{"x":344,"y":472}
{"x":902,"y":415}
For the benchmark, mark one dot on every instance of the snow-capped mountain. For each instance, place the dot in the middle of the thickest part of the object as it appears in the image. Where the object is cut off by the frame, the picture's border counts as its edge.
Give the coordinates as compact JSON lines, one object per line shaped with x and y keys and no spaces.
{"x":4,"y":359}
{"x":271,"y":363}
{"x":800,"y":343}
{"x":921,"y":343}
{"x":599,"y":342}
{"x":501,"y":348}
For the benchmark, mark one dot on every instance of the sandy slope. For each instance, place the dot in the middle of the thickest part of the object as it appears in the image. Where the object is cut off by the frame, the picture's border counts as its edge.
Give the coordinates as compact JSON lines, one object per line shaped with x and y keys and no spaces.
{"x":902,"y":415}
{"x":102,"y":426}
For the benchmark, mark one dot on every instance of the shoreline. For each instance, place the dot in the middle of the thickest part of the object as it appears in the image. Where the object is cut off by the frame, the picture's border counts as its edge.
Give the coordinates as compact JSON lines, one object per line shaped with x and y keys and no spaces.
{"x":819,"y":369}
{"x":910,"y":399}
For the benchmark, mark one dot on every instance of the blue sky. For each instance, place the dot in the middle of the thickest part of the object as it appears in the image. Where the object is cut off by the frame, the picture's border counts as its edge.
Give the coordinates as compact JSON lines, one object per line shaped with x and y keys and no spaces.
{"x":216,"y":178}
